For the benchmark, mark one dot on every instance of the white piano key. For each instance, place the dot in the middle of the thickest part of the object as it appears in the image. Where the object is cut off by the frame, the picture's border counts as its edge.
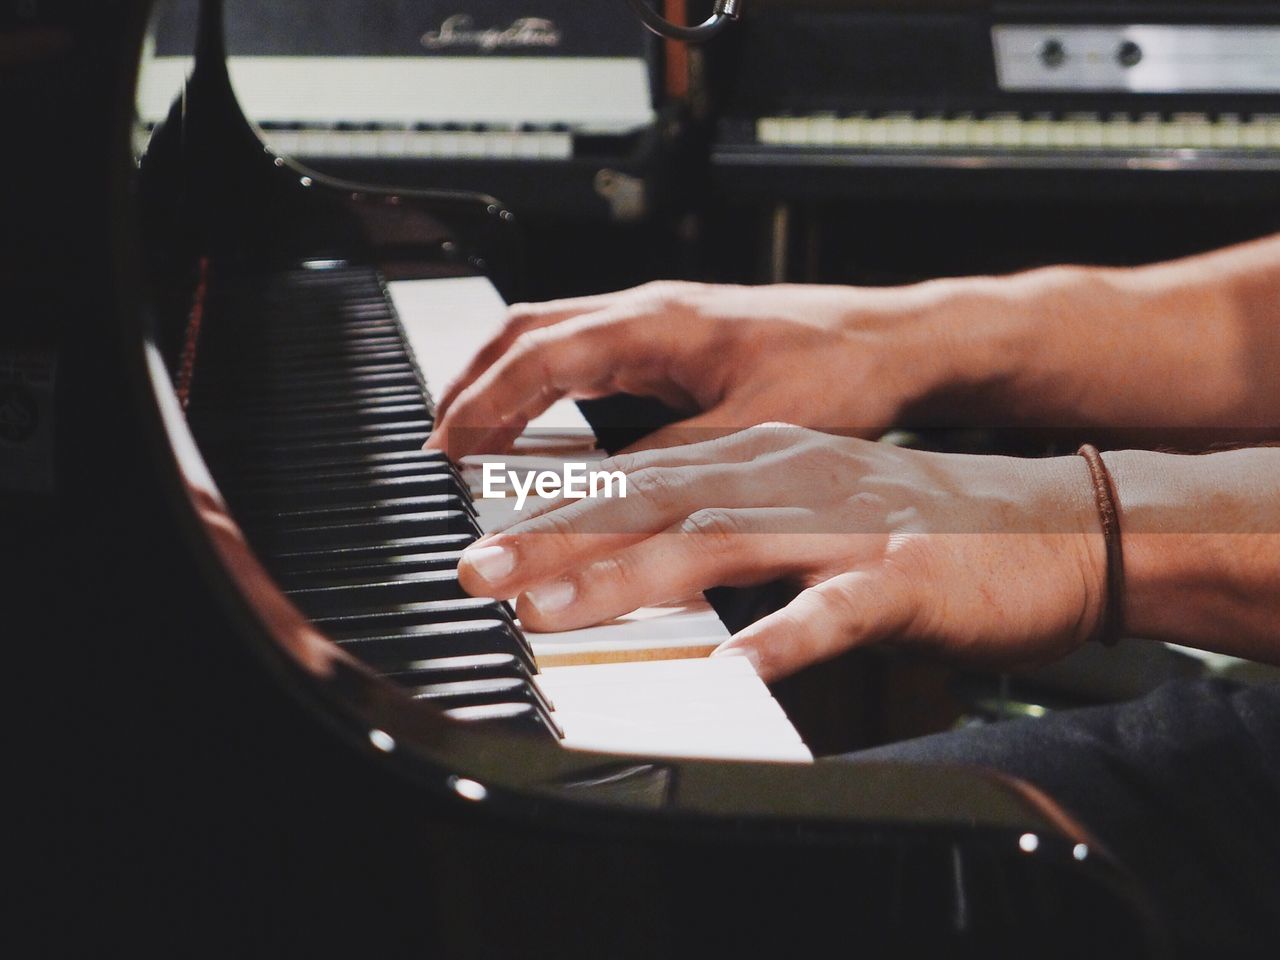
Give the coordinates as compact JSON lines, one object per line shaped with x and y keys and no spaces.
{"x":652,"y":671}
{"x":769,"y":130}
{"x":447,"y":322}
{"x":365,"y":143}
{"x":694,"y":687}
{"x":1080,"y":131}
{"x":605,"y":735}
{"x":823,"y":130}
{"x":688,"y":628}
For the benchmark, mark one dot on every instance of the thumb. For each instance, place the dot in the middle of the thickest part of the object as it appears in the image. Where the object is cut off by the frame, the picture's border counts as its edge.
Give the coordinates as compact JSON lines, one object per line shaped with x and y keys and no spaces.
{"x":848,"y":610}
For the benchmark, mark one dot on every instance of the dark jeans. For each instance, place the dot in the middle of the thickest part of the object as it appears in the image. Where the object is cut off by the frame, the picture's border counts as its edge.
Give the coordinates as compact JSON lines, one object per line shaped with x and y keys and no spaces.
{"x":1183,"y":786}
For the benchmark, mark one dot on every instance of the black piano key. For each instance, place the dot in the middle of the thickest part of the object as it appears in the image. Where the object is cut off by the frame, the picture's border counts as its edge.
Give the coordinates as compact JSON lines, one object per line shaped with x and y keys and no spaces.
{"x":375,"y":509}
{"x":284,"y":437}
{"x":412,"y":615}
{"x":482,"y":666}
{"x":520,"y":718}
{"x":330,"y":574}
{"x":316,"y":451}
{"x":359,"y":398}
{"x":374,"y":553}
{"x":390,"y":649}
{"x":355,"y":597}
{"x":324,"y":417}
{"x":312,"y":416}
{"x":471,"y":693}
{"x":291,"y":539}
{"x":366,"y":348}
{"x":349,"y":463}
{"x":343,"y":487}
{"x":277,"y":498}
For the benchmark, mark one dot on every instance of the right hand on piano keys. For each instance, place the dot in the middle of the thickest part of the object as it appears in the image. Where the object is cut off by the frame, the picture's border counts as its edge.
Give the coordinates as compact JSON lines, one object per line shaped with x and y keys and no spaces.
{"x":820,"y":356}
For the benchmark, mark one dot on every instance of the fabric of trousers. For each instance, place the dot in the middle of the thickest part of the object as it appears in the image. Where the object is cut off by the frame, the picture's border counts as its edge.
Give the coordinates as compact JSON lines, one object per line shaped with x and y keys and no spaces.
{"x":1182,"y":786}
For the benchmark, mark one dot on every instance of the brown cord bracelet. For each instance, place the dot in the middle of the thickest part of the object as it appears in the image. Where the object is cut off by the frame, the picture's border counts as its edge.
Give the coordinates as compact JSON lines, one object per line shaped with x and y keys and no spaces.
{"x":1104,"y":494}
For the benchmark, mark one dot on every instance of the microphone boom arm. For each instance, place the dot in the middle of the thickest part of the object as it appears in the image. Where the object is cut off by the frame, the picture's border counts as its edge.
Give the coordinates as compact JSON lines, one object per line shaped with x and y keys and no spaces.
{"x":723,"y":13}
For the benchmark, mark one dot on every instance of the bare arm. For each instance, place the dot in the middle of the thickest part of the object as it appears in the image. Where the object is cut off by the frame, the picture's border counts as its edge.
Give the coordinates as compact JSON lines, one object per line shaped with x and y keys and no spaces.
{"x":1202,"y":548}
{"x":1187,"y":349}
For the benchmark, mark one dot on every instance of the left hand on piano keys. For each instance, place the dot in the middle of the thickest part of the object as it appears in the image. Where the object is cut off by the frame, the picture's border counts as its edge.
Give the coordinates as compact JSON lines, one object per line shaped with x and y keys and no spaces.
{"x":888,"y":543}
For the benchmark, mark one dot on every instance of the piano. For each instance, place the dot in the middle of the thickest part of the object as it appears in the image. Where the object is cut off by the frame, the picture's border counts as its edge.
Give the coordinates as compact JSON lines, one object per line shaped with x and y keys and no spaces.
{"x":1025,"y":132}
{"x":268,"y":720}
{"x":1152,"y":96}
{"x":562,"y":107}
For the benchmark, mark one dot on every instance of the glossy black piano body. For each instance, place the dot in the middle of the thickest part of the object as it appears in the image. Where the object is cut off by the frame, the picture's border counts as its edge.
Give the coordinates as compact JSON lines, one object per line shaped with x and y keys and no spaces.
{"x":214,"y":776}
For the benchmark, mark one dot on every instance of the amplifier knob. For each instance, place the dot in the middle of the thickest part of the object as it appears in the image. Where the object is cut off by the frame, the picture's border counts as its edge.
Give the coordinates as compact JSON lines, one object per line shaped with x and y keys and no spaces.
{"x":1129,"y":54}
{"x":1053,"y":54}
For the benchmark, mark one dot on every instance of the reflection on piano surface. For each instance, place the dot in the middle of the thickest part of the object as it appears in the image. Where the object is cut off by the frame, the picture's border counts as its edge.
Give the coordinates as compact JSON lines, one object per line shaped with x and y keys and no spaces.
{"x":562,"y":105}
{"x":297,"y":732}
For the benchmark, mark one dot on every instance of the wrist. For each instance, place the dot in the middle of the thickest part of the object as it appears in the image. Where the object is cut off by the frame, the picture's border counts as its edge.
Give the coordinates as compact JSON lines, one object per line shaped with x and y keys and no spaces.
{"x":993,"y":351}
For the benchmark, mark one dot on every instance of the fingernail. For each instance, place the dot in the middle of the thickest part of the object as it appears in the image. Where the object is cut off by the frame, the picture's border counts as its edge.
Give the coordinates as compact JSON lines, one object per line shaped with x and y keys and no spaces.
{"x":751,"y":655}
{"x":492,"y":563}
{"x":551,"y":598}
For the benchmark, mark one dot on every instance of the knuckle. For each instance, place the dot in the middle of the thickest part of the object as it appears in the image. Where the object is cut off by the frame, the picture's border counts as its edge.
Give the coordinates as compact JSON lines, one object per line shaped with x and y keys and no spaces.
{"x":658,"y":295}
{"x":662,"y":288}
{"x":716,"y":531}
{"x":532,"y":341}
{"x":777,"y":434}
{"x":535,"y":347}
{"x":831,"y":606}
{"x":519,"y":318}
{"x":662,"y":487}
{"x":554,"y":529}
{"x":615,"y":569}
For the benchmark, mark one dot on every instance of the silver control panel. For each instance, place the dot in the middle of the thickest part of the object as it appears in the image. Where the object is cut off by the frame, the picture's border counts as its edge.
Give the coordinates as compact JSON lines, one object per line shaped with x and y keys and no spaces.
{"x":1138,"y":59}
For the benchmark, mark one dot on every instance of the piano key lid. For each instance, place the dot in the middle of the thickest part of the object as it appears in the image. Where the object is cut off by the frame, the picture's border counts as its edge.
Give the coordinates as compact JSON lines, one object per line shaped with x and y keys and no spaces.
{"x":723,"y":13}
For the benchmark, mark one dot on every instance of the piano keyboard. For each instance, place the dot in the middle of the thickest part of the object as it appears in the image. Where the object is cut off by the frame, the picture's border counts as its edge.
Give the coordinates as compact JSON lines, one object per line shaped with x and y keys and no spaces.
{"x":1251,"y":140}
{"x":418,"y":141}
{"x":309,"y":405}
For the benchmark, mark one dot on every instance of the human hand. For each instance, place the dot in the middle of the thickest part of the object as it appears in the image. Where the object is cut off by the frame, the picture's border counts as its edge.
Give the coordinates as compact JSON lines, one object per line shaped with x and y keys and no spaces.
{"x":997,"y":559}
{"x":842,"y":359}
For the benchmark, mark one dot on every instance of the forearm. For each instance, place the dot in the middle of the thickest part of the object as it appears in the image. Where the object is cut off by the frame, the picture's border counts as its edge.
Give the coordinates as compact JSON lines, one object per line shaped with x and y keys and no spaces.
{"x":1187,"y":346}
{"x":1201,"y":539}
